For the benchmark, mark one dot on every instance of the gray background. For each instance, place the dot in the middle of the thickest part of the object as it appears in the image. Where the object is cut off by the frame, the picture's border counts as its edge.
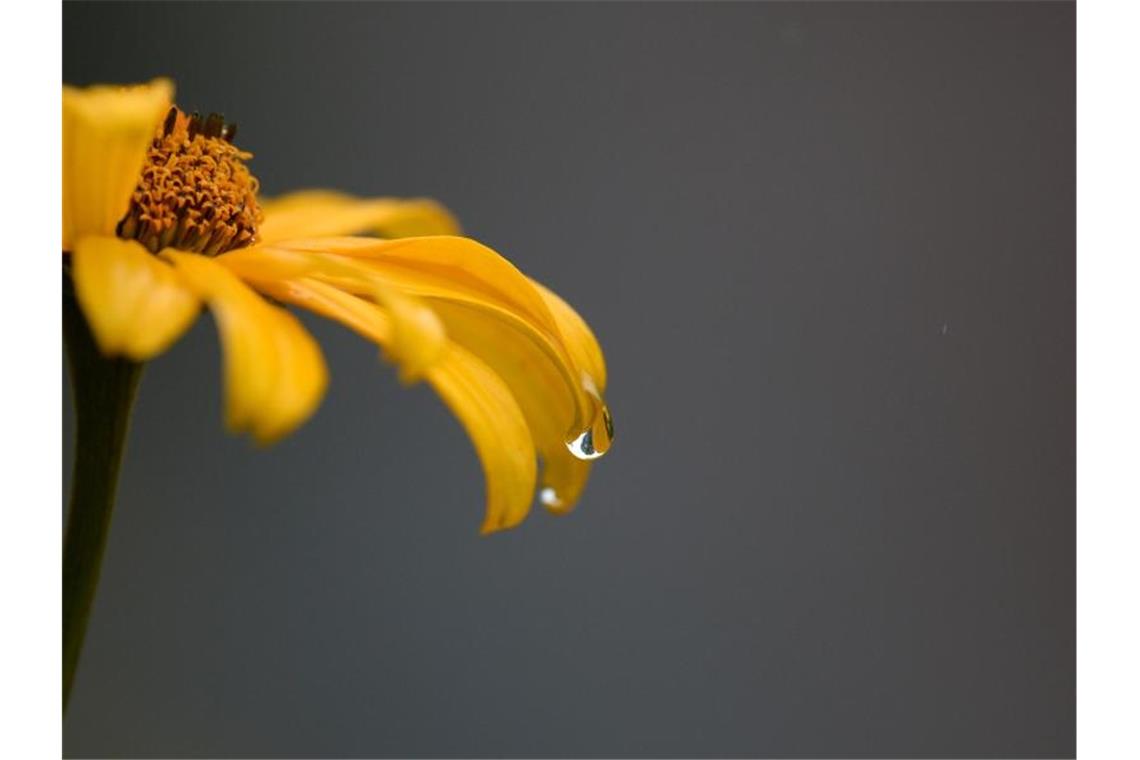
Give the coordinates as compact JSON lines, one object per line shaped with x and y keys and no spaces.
{"x":829,"y":250}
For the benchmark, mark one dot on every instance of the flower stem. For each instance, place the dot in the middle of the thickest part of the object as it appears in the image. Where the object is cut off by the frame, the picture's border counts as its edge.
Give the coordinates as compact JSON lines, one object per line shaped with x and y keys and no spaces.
{"x":103,"y":391}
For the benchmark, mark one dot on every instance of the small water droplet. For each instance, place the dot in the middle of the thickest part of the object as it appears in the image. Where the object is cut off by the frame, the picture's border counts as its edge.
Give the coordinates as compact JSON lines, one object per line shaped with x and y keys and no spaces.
{"x":595,"y":440}
{"x":550,"y":498}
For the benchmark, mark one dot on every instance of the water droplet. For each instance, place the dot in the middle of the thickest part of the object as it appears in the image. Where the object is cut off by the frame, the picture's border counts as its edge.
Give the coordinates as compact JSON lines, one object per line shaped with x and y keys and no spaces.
{"x":550,"y":498}
{"x":595,"y":440}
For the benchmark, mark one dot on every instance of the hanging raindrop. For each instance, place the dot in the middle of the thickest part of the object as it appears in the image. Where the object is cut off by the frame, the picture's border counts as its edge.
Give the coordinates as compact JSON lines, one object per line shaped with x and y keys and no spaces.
{"x":596,"y":439}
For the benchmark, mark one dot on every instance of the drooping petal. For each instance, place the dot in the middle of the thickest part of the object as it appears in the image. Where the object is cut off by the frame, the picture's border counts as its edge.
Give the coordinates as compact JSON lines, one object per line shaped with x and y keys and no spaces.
{"x":275,"y":375}
{"x":135,"y":303}
{"x":445,"y":266}
{"x":478,"y":397}
{"x":495,"y":312}
{"x":498,"y":430}
{"x":417,"y":333}
{"x":463,"y":272}
{"x":579,"y":338}
{"x":106,"y":131}
{"x":545,"y":385}
{"x":564,"y":476}
{"x":556,"y":396}
{"x":317,"y":213}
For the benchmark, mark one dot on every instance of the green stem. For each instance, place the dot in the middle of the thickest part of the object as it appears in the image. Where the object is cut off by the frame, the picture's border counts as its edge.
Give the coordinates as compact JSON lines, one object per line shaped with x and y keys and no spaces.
{"x":103,"y":390}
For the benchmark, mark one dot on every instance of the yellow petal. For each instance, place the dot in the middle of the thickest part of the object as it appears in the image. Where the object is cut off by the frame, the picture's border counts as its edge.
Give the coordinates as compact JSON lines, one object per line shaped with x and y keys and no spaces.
{"x":545,"y":384}
{"x":505,"y":344}
{"x":445,"y":266}
{"x":532,"y":339}
{"x":497,"y":428}
{"x":106,"y":132}
{"x":478,"y":397}
{"x":465,"y":273}
{"x":274,"y":373}
{"x":317,"y":213}
{"x":556,"y":396}
{"x":418,"y":335}
{"x":135,"y":303}
{"x":578,"y":336}
{"x":564,"y":476}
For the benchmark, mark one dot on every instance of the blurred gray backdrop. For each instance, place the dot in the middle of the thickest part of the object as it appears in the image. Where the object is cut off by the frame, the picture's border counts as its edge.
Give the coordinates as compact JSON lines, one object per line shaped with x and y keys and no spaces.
{"x":829,"y":251}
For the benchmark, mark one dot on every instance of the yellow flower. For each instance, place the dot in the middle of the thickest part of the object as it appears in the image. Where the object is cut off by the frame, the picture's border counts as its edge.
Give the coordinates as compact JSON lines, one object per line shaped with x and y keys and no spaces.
{"x":161,"y":216}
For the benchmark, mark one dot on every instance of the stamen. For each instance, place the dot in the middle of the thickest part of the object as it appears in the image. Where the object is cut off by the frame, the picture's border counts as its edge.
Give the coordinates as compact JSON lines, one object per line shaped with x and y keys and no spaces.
{"x":168,"y":125}
{"x":196,"y":193}
{"x":214,"y":124}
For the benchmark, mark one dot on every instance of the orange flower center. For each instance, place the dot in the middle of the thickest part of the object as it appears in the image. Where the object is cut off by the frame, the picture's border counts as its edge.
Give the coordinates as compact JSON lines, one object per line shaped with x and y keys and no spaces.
{"x":195,"y":193}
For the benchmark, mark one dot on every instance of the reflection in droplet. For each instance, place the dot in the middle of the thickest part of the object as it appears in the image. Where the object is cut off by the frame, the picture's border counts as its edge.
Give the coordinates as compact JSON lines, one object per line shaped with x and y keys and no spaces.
{"x":596,"y":439}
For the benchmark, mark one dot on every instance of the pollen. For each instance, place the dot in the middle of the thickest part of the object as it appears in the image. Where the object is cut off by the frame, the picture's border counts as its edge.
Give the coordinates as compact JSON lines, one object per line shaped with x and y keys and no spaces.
{"x":195,"y":193}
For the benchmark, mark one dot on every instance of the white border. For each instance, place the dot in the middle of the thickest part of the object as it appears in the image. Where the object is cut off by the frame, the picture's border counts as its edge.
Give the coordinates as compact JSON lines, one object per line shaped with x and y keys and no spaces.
{"x":1108,"y":379}
{"x":30,"y":442}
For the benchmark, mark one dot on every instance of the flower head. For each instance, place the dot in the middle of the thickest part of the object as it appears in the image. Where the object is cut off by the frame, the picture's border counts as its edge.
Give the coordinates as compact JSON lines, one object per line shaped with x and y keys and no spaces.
{"x":195,"y":193}
{"x":161,"y":215}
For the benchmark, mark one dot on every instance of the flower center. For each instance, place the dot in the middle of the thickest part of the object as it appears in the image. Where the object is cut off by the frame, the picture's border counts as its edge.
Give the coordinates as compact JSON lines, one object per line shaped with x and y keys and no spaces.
{"x":195,"y":193}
